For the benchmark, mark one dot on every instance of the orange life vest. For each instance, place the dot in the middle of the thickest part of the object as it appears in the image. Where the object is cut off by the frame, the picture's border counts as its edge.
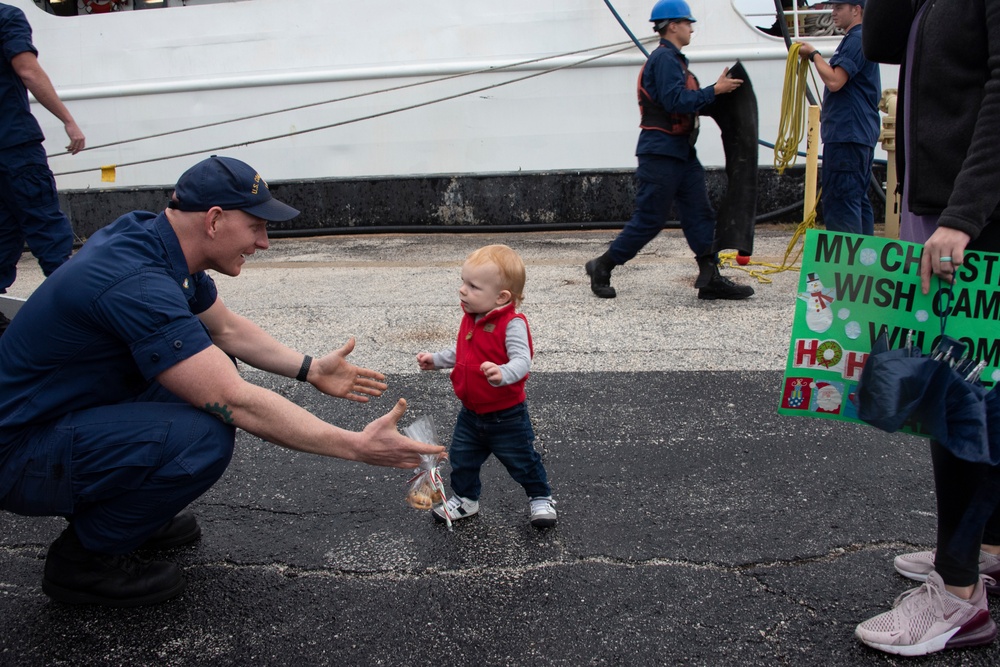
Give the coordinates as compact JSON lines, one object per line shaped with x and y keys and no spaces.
{"x":655,"y":117}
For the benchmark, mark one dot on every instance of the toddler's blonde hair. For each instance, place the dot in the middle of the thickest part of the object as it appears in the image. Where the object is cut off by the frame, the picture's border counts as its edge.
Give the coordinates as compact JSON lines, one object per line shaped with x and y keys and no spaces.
{"x":512,"y":271}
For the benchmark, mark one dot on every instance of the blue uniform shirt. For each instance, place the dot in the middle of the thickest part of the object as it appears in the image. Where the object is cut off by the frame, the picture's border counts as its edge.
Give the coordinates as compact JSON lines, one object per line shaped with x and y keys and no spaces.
{"x":850,"y":115}
{"x":664,"y":79}
{"x":100,"y":328}
{"x":17,"y":125}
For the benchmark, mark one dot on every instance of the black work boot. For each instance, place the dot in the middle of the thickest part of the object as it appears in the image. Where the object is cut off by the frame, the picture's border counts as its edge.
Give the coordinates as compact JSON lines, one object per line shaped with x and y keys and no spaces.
{"x":76,"y":575}
{"x":182,"y":529}
{"x":720,"y":287}
{"x":599,"y":270}
{"x":708,"y":268}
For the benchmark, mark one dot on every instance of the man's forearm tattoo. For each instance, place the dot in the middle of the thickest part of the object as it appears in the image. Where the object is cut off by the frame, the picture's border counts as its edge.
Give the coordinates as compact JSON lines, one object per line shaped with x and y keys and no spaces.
{"x":221,"y":411}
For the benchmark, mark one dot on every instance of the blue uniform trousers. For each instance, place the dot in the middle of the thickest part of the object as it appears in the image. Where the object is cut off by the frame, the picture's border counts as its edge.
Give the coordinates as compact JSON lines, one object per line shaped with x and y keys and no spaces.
{"x":29,"y":212}
{"x":507,"y":434}
{"x":660,"y":181}
{"x":120,"y":472}
{"x":847,"y":171}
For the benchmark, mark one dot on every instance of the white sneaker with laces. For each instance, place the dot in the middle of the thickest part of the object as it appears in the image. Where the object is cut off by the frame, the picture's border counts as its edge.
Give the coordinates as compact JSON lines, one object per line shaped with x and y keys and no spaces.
{"x":458,"y":508}
{"x":542,"y":511}
{"x":915,"y":565}
{"x":929,"y":619}
{"x":918,"y":564}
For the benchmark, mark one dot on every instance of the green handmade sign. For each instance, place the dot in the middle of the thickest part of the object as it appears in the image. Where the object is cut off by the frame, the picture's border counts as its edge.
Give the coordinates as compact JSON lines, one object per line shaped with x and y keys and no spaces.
{"x":850,"y":287}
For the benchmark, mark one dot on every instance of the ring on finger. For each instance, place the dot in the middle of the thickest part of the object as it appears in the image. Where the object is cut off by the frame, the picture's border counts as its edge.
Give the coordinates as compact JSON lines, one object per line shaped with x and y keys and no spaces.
{"x":944,"y":258}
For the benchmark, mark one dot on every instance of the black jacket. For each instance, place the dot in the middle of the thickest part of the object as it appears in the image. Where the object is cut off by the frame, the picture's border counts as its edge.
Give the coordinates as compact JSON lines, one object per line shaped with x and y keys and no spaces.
{"x":955,"y":104}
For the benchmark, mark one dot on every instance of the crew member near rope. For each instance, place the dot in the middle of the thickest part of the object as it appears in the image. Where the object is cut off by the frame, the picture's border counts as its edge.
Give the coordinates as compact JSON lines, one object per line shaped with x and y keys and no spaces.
{"x":850,"y":124}
{"x":669,"y":100}
{"x":29,"y":203}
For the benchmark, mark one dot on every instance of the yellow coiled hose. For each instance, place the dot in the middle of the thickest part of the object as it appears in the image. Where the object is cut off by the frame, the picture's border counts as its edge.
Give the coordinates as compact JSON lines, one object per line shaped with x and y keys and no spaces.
{"x":791,"y":124}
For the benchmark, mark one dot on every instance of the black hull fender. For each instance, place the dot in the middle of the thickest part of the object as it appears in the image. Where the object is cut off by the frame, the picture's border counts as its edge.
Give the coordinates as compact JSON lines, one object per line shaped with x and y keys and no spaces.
{"x":736,"y":115}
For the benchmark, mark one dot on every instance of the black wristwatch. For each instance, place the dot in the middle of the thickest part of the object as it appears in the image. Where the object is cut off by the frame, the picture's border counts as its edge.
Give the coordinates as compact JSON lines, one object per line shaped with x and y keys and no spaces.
{"x":812,"y":56}
{"x":304,"y":370}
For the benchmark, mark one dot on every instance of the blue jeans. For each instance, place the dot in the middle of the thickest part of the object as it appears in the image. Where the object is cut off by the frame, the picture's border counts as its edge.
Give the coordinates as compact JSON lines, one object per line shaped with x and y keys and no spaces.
{"x":120,"y":472}
{"x":847,"y":171}
{"x":29,"y":211}
{"x":660,"y":181}
{"x":507,"y":434}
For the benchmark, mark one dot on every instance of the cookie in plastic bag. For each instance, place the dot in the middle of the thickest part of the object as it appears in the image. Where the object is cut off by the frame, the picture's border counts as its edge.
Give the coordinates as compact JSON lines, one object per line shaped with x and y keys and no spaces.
{"x":426,"y":488}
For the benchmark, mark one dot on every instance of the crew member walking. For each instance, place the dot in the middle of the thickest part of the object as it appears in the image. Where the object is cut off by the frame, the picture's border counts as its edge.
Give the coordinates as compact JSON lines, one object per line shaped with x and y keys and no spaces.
{"x":669,"y":170}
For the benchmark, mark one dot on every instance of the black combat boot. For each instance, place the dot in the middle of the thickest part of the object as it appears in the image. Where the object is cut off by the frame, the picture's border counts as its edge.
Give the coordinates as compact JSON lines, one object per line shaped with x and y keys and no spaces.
{"x":708,"y":268}
{"x":181,"y":530}
{"x":76,"y":575}
{"x":720,"y":287}
{"x":599,"y":270}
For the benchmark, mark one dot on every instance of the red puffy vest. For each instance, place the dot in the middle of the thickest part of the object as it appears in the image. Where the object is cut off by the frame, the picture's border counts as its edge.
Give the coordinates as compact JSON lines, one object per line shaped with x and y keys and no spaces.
{"x":486,"y":340}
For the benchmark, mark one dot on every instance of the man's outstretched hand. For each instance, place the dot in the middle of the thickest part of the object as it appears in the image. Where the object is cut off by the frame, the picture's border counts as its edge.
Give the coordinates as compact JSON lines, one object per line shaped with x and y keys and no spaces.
{"x":383,"y":444}
{"x":334,"y":375}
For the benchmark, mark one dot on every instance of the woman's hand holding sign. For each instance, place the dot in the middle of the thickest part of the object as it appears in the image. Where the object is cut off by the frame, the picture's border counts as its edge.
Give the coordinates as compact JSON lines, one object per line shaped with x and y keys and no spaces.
{"x":943,"y":253}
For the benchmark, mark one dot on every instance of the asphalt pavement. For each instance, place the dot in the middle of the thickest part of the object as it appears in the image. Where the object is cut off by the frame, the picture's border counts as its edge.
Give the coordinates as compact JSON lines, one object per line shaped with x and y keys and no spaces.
{"x":696,"y":526}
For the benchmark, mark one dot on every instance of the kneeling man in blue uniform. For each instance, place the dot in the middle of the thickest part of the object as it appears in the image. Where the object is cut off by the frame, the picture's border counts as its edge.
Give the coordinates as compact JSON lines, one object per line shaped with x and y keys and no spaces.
{"x":119,"y":398}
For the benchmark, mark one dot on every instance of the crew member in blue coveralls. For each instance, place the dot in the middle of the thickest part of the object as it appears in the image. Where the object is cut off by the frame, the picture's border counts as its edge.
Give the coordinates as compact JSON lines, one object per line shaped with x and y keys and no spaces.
{"x":29,"y":205}
{"x":119,"y":397}
{"x":850,"y":124}
{"x":669,"y":100}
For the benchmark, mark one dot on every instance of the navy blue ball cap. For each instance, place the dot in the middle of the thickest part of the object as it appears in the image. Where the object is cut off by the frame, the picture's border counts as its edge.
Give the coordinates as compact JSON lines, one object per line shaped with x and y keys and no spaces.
{"x":229,"y":184}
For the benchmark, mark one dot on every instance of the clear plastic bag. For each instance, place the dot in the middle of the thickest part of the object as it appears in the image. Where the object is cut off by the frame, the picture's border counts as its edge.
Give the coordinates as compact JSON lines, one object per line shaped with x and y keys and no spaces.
{"x":426,"y":488}
{"x":422,"y":494}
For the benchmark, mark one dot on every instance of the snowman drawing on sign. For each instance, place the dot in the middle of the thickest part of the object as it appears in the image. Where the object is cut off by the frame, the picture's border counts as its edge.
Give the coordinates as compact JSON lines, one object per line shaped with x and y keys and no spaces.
{"x":819,"y":314}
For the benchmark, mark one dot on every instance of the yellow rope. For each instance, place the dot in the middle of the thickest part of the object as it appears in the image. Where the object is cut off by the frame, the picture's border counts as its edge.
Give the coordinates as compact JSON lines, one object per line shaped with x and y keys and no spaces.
{"x":791,"y":251}
{"x":791,"y":125}
{"x":791,"y":129}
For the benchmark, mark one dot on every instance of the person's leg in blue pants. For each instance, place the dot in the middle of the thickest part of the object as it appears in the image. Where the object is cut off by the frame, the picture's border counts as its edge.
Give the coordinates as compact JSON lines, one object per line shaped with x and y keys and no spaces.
{"x":657,"y":180}
{"x":119,"y":473}
{"x":512,"y":440}
{"x":661,"y":181}
{"x":29,"y":212}
{"x":467,"y":454}
{"x":847,"y":171}
{"x":506,"y":434}
{"x":695,"y":210}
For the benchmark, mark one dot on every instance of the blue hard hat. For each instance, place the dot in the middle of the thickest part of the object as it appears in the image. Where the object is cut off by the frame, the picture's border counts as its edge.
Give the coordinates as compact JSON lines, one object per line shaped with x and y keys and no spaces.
{"x":671,"y":9}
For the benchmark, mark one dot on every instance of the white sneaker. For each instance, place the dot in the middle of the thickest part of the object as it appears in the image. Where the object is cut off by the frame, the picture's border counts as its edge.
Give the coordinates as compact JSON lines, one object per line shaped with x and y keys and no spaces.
{"x":458,"y":508}
{"x":918,"y":564}
{"x":929,"y":619}
{"x":915,"y":565}
{"x":542,"y":512}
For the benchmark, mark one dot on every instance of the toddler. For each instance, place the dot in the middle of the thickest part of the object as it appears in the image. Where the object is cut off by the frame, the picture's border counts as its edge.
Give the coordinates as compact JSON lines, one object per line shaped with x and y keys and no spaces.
{"x":490,"y":362}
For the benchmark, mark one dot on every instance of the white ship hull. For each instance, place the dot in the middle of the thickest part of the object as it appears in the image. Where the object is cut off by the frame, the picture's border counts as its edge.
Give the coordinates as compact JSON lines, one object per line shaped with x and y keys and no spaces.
{"x":502,"y":142}
{"x":132,"y":74}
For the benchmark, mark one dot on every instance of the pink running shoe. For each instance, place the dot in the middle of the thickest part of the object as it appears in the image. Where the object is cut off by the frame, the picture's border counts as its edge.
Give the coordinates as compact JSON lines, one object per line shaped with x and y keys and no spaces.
{"x":929,"y":619}
{"x":918,"y":564}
